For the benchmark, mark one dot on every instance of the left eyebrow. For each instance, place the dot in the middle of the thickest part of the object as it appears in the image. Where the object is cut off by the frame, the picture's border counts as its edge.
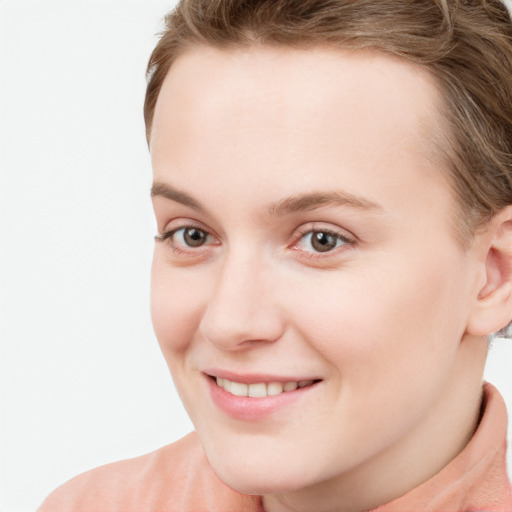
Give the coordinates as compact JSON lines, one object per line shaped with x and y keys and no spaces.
{"x":314,"y":200}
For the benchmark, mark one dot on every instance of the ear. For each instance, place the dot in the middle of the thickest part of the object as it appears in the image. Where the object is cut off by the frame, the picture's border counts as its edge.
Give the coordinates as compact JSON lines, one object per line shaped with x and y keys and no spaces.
{"x":493,"y":305}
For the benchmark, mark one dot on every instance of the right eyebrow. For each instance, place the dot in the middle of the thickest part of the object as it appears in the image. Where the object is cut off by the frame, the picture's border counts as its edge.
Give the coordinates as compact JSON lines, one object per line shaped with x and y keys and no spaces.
{"x":163,"y":190}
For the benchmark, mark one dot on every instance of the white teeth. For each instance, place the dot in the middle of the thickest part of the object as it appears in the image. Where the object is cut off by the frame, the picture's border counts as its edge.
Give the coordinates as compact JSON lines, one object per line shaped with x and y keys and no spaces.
{"x":260,"y":389}
{"x":239,"y":389}
{"x":274,"y":388}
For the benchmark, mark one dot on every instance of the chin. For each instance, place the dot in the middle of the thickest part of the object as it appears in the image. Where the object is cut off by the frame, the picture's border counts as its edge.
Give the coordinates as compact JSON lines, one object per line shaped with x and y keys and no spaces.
{"x":256,"y":483}
{"x":262,"y":475}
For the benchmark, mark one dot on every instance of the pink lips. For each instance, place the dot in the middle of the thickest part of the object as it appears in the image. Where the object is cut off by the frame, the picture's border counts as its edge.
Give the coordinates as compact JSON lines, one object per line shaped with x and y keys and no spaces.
{"x":249,"y":408}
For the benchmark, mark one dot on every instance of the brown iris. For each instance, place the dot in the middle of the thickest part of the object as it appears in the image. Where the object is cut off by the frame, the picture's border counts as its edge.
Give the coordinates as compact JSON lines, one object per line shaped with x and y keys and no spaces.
{"x":322,"y":241}
{"x":194,"y":237}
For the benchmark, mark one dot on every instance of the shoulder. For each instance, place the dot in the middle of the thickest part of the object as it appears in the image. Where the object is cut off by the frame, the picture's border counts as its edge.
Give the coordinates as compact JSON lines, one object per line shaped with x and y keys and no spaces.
{"x":176,"y":477}
{"x":109,"y":485}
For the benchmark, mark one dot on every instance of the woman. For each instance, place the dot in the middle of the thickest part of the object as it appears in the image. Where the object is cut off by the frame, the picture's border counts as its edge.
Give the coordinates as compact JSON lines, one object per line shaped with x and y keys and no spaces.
{"x":333,"y":190}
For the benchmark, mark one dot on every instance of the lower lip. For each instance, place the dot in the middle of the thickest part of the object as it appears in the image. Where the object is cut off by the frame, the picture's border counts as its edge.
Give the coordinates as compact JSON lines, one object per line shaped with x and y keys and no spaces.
{"x":253,"y":409}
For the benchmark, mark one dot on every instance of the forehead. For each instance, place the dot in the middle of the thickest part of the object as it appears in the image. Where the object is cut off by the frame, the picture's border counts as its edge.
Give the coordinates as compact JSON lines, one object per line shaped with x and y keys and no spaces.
{"x":280,"y":87}
{"x":297,"y":117}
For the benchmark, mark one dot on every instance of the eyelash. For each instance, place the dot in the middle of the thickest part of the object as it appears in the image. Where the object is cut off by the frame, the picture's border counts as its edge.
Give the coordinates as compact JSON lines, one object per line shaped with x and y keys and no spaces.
{"x":341,"y":241}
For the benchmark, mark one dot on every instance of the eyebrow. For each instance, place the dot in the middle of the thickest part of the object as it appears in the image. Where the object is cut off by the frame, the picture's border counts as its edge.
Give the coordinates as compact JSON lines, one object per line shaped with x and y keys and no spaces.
{"x":314,"y":200}
{"x":293,"y":204}
{"x":178,"y":196}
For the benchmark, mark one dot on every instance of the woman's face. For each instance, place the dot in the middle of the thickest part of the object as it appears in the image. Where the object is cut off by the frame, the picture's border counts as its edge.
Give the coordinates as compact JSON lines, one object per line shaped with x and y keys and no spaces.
{"x":306,"y":239}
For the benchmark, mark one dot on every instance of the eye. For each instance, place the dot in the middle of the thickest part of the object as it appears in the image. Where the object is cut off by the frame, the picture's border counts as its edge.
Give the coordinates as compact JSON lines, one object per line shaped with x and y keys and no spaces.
{"x":188,"y":237}
{"x":322,"y":241}
{"x":191,"y":237}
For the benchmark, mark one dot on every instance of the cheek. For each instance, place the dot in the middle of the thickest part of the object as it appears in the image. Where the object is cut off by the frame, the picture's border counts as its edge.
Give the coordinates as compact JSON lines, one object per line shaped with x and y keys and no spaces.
{"x":388,"y":344}
{"x":390,"y":321}
{"x":177,"y":301}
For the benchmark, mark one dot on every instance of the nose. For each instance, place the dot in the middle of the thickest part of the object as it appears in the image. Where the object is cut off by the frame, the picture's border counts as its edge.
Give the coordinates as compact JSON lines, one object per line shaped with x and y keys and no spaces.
{"x":242,"y":309}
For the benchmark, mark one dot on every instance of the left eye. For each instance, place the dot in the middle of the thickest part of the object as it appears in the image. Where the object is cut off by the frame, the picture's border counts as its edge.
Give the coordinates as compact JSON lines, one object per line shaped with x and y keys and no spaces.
{"x":321,"y":241}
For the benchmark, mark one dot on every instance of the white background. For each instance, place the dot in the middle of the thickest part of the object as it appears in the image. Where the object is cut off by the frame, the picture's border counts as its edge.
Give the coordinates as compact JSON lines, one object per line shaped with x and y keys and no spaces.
{"x":82,"y":381}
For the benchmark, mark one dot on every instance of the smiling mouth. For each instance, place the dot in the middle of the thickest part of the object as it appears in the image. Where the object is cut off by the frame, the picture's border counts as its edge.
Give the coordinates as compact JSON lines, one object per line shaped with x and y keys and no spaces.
{"x":262,"y":389}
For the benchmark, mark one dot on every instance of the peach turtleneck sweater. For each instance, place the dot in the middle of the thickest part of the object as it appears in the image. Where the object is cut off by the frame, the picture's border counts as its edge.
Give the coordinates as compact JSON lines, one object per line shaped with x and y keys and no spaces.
{"x":178,"y":478}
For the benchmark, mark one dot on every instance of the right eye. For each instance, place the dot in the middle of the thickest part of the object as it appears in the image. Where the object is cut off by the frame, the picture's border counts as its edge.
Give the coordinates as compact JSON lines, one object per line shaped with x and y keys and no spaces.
{"x":188,"y":237}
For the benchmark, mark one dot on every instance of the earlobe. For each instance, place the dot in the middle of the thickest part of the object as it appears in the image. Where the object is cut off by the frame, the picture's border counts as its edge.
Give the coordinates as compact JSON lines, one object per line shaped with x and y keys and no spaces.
{"x":493,"y":306}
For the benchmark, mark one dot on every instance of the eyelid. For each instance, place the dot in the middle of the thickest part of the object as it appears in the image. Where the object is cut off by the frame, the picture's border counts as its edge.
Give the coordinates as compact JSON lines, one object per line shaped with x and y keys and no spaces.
{"x":176,"y":224}
{"x":324,"y":227}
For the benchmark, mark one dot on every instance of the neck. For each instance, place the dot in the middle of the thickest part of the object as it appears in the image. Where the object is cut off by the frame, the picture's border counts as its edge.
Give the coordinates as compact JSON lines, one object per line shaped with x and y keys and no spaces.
{"x":436,"y":440}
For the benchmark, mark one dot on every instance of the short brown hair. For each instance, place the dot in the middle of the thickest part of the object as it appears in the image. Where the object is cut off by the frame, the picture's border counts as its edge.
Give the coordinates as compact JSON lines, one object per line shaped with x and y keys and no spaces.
{"x":466,"y":44}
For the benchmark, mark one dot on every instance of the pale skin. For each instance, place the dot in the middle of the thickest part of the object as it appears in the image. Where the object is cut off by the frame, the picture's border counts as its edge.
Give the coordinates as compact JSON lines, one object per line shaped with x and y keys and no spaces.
{"x":258,"y":148}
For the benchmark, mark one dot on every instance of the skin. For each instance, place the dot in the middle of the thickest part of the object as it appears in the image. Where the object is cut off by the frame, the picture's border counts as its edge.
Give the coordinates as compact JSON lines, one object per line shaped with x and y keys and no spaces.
{"x":382,"y":319}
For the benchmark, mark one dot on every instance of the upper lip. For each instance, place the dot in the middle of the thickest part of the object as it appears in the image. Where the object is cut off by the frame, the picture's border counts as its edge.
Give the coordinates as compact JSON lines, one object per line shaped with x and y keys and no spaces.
{"x":253,"y":378}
